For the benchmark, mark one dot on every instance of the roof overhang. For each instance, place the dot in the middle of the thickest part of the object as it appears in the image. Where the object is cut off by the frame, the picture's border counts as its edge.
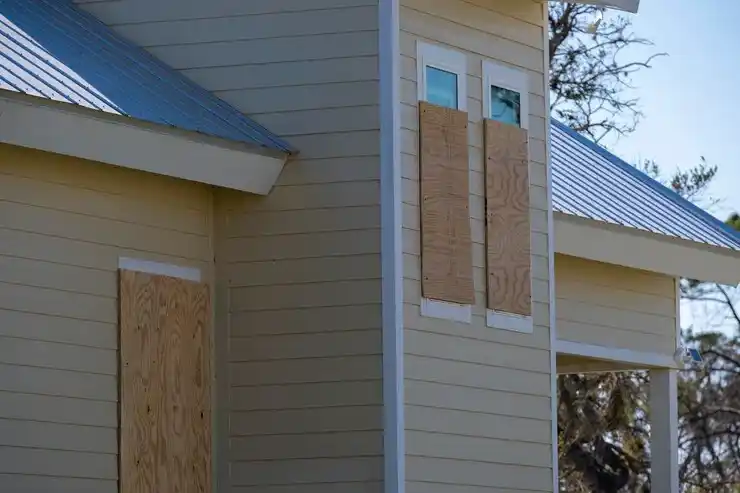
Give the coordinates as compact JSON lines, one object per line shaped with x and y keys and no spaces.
{"x":576,"y":357}
{"x":63,"y":128}
{"x":626,"y":5}
{"x":602,"y":242}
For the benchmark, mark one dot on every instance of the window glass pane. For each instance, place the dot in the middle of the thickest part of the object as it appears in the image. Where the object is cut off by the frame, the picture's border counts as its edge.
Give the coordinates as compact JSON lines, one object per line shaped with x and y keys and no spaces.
{"x":441,"y":87}
{"x":505,"y":106}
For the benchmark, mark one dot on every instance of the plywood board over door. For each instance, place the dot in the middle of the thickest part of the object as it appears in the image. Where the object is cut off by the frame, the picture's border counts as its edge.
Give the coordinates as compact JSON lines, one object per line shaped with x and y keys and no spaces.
{"x":165,"y":385}
{"x":507,"y":219}
{"x":446,"y":245}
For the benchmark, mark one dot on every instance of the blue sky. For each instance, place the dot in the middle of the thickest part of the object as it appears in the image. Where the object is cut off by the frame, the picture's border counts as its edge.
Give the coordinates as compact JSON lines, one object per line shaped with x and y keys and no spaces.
{"x":689,"y":98}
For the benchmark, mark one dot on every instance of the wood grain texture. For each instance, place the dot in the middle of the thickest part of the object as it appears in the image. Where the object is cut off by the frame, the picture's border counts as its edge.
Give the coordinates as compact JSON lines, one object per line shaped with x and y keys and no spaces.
{"x":507,"y":219}
{"x":446,"y":247}
{"x":165,"y":385}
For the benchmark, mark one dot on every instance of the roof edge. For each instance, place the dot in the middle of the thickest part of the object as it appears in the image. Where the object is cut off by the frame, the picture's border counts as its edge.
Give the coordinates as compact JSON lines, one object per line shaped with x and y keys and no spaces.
{"x":61,"y":52}
{"x":650,"y":182}
{"x":644,"y":250}
{"x":37,"y":123}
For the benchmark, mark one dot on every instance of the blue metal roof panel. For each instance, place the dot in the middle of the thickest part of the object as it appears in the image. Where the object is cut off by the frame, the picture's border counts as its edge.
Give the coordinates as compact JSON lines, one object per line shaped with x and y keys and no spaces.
{"x":51,"y":49}
{"x":590,"y":182}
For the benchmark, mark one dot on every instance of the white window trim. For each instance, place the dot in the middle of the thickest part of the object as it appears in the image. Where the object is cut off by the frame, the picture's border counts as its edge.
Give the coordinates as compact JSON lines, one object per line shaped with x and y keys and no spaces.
{"x":495,"y":74}
{"x":446,"y":310}
{"x":509,"y":321}
{"x":160,"y":269}
{"x":429,"y":55}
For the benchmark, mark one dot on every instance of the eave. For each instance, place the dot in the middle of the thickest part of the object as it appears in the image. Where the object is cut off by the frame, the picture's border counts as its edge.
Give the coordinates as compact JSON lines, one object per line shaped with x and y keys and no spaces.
{"x":630,"y":6}
{"x":602,"y":242}
{"x":70,"y":130}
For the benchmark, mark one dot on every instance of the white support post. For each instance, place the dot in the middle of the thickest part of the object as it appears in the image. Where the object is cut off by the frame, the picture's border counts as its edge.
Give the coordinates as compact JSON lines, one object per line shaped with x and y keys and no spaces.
{"x":664,"y":430}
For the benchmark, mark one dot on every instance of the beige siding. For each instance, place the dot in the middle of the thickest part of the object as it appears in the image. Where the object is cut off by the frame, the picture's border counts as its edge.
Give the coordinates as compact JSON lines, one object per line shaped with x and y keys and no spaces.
{"x":477,"y":398}
{"x":63,"y":225}
{"x":298,"y":289}
{"x":614,"y":306}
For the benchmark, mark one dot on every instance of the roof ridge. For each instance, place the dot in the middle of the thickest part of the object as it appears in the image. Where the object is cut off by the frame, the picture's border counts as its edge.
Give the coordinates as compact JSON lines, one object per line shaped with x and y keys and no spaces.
{"x":669,"y":194}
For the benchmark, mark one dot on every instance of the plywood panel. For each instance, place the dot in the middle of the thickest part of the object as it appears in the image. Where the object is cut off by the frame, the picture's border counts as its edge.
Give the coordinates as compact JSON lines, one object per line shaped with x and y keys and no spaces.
{"x":507,"y":219}
{"x":165,"y":384}
{"x":446,"y":246}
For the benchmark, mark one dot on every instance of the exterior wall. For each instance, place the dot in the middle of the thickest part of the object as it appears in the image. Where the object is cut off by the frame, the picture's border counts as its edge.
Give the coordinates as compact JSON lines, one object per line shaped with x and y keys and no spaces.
{"x":64,"y":223}
{"x":477,"y":398}
{"x":615,"y":306}
{"x":298,"y":290}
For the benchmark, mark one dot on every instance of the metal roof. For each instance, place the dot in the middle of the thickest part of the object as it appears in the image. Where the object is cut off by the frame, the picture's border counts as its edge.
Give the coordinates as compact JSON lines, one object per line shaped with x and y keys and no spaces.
{"x":590,"y":182}
{"x":52,"y":49}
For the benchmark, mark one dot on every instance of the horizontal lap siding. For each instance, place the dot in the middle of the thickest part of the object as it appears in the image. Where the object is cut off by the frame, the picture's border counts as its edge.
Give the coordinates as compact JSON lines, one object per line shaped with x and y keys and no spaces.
{"x":63,"y":225}
{"x":613,"y":306}
{"x":477,"y":398}
{"x":298,"y":272}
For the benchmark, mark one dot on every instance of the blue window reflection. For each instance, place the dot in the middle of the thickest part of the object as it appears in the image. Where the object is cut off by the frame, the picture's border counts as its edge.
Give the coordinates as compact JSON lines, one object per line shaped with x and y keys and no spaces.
{"x":505,"y":106}
{"x":441,"y":87}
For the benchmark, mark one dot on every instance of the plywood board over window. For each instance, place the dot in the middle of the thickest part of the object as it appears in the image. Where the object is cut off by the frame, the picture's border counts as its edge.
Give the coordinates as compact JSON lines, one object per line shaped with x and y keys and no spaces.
{"x":446,"y":255}
{"x":165,"y":384}
{"x":507,"y":219}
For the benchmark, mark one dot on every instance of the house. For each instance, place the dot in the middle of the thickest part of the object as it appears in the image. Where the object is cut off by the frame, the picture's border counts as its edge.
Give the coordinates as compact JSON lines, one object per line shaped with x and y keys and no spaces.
{"x":293,"y":246}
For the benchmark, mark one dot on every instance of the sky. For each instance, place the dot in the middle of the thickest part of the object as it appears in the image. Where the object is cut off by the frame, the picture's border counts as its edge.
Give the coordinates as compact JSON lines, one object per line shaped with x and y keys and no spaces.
{"x":690,"y":101}
{"x":689,"y":98}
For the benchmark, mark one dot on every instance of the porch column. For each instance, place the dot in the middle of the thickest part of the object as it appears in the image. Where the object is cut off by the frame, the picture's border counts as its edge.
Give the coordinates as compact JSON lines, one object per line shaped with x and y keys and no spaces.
{"x":664,"y":430}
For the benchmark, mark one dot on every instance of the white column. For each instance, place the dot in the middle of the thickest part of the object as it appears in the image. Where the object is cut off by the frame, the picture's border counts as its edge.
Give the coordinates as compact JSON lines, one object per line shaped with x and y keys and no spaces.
{"x":664,"y":430}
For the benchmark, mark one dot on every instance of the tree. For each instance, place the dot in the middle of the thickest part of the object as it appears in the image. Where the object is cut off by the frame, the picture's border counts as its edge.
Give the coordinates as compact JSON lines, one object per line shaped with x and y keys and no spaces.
{"x":602,"y":426}
{"x":589,"y":80}
{"x":709,"y":398}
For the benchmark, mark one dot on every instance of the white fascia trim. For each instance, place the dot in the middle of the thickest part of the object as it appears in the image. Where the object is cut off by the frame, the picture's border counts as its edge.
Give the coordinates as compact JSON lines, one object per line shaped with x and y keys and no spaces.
{"x":631,"y":6}
{"x":620,"y":245}
{"x":430,"y":55}
{"x":646,"y":359}
{"x":446,"y":310}
{"x":65,"y":129}
{"x":160,"y":268}
{"x":496,"y":74}
{"x":394,"y":427}
{"x":509,"y":321}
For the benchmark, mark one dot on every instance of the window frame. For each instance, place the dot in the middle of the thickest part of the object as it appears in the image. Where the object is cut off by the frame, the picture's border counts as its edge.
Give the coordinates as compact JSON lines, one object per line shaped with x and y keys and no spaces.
{"x":449,"y":60}
{"x":496,"y":74}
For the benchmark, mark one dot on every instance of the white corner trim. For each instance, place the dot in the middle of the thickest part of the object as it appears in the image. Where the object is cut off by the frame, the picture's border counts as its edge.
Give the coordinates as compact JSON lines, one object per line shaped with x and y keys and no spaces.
{"x":430,"y":55}
{"x":495,"y":74}
{"x":554,"y":437}
{"x":160,"y":269}
{"x":647,"y":359}
{"x":446,"y":310}
{"x":509,"y":321}
{"x":394,"y":426}
{"x":65,"y":129}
